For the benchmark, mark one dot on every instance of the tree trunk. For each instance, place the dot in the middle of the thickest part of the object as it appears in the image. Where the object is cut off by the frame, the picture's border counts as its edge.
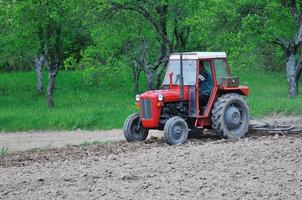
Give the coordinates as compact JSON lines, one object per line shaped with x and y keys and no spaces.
{"x":39,"y":63}
{"x":136,"y":81}
{"x":149,"y":79}
{"x":51,"y":86}
{"x":291,"y":75}
{"x":298,"y":73}
{"x":158,"y":77}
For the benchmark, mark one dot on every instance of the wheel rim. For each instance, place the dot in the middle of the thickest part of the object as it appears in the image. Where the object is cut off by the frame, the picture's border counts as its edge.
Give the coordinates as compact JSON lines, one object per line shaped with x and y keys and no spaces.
{"x":136,"y":129}
{"x":178,"y":131}
{"x":235,"y":118}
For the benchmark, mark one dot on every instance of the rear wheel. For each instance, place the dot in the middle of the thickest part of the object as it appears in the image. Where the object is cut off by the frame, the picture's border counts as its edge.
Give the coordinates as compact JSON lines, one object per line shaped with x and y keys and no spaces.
{"x":175,"y":131}
{"x":133,"y":129}
{"x":230,"y":116}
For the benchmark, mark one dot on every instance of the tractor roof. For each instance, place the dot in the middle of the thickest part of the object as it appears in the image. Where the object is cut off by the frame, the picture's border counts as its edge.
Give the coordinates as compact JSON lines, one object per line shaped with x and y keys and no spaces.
{"x":198,"y":55}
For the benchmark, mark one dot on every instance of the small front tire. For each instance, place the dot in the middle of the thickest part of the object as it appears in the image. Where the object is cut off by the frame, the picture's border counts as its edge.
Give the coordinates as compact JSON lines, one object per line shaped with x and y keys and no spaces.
{"x":133,"y":129}
{"x":175,"y":131}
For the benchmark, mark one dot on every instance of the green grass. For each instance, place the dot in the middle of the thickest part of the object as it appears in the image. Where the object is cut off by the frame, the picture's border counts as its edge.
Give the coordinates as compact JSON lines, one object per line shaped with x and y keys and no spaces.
{"x":76,"y":106}
{"x":4,"y":151}
{"x":106,"y":106}
{"x":268,"y":93}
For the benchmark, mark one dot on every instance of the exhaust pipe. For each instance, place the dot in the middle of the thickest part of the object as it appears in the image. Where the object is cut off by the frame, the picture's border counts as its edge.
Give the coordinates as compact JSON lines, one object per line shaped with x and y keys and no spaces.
{"x":181,"y":79}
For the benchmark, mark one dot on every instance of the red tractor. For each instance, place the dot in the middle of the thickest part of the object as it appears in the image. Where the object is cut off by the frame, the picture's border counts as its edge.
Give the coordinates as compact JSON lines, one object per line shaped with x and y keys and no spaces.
{"x":178,"y":108}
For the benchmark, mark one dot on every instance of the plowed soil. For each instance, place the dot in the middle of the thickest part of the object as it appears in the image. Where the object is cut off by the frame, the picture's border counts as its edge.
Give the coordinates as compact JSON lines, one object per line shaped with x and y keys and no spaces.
{"x":256,"y":167}
{"x":266,"y":167}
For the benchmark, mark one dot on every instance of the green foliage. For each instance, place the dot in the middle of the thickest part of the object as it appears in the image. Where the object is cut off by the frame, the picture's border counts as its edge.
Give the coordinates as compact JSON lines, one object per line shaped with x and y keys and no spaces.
{"x":93,"y":32}
{"x":98,"y":75}
{"x":70,"y":63}
{"x":30,"y":26}
{"x":245,"y":29}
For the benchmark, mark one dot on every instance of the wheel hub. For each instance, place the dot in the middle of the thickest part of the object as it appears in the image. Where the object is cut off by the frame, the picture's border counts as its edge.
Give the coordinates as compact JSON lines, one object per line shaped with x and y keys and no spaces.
{"x":233,"y":117}
{"x":177,"y":132}
{"x":137,"y":128}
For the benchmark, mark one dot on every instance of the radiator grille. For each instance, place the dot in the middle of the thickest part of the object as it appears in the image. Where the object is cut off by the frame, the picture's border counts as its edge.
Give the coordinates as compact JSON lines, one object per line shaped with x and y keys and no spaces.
{"x":146,"y":109}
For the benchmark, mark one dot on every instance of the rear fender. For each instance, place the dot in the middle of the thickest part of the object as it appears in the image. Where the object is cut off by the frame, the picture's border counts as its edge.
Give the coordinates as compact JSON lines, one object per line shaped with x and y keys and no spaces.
{"x":242,"y":90}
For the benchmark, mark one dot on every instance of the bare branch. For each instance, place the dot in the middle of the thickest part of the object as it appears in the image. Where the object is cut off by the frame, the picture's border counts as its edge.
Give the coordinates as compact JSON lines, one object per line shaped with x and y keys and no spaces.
{"x":298,"y":39}
{"x":281,"y":42}
{"x":136,"y":7}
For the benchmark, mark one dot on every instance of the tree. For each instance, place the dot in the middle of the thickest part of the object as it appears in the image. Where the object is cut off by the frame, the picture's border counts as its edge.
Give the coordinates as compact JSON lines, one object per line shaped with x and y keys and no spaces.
{"x":164,"y":17}
{"x":291,"y":44}
{"x":17,"y":51}
{"x":248,"y":31}
{"x":54,"y":28}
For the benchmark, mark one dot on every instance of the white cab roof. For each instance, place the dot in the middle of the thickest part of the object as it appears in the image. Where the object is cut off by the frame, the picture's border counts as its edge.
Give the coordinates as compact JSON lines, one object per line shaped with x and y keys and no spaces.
{"x":198,"y":55}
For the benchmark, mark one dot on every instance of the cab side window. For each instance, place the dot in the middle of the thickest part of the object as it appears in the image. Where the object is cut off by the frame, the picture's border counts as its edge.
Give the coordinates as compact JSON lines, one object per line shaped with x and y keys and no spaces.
{"x":220,"y":70}
{"x":207,"y":66}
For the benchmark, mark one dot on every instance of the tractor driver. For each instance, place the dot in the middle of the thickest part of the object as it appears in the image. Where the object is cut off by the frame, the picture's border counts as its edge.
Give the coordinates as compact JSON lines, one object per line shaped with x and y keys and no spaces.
{"x":205,"y":86}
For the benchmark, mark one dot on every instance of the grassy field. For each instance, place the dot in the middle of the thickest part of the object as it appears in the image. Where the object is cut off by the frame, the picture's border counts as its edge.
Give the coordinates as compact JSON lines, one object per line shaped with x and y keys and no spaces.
{"x":78,"y":106}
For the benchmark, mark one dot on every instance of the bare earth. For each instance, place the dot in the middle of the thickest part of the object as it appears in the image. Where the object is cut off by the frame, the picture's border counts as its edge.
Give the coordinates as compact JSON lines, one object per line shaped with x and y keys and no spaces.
{"x":257,"y":167}
{"x":23,"y":141}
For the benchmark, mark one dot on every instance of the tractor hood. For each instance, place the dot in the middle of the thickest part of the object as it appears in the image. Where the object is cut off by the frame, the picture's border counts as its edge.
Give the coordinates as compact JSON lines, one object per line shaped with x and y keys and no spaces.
{"x":169,"y":94}
{"x":151,"y":103}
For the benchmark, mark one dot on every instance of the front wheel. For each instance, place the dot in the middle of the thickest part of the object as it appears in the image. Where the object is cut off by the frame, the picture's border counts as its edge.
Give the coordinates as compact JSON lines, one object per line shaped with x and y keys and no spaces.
{"x":176,"y":131}
{"x":230,"y":116}
{"x":133,"y":129}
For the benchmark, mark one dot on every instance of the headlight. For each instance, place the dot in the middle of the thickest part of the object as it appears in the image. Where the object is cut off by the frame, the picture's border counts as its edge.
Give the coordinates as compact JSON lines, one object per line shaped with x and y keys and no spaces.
{"x":160,"y":97}
{"x":137,"y":97}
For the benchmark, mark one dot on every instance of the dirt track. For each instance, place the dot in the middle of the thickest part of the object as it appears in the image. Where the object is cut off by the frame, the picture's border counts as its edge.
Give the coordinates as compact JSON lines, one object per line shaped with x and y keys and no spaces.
{"x":22,"y":141}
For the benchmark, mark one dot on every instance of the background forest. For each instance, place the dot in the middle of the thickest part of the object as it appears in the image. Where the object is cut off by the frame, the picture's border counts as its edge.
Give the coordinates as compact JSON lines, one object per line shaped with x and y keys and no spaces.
{"x":95,"y":55}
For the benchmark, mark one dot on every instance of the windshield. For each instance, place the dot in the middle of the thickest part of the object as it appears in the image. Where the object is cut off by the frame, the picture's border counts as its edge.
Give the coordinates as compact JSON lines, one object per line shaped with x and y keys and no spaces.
{"x":189,"y":72}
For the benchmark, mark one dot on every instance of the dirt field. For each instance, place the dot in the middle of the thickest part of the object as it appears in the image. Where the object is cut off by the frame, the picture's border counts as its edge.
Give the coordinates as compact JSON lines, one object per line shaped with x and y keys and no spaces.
{"x":257,"y":167}
{"x":254,"y":168}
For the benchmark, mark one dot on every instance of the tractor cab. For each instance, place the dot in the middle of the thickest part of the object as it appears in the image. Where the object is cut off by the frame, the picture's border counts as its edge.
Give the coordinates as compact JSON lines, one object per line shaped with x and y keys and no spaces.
{"x":193,"y":95}
{"x":201,"y":72}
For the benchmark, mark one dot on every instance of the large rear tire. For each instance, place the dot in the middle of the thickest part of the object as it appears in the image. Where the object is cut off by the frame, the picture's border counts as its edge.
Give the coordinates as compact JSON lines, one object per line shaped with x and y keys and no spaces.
{"x":230,"y":116}
{"x":133,"y":129}
{"x":176,"y":131}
